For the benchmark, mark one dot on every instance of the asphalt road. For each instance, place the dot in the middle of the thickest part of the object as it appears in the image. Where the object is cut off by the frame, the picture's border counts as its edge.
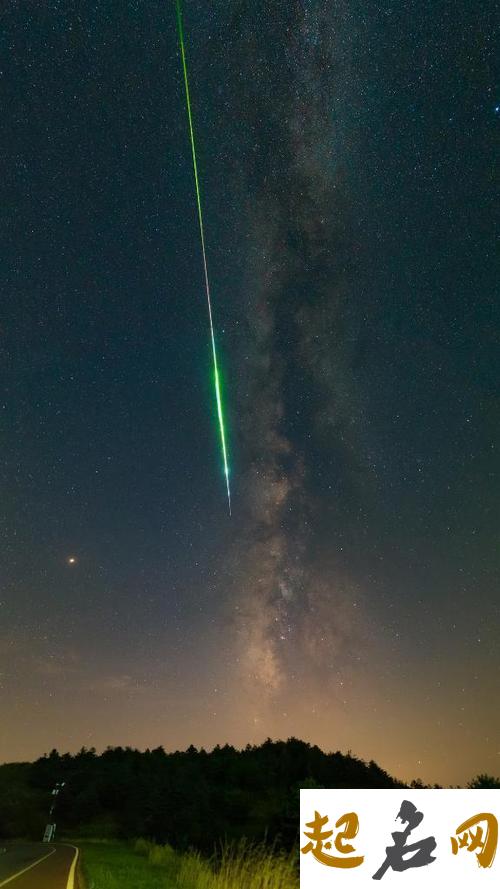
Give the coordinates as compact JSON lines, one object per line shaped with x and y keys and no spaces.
{"x":38,"y":866}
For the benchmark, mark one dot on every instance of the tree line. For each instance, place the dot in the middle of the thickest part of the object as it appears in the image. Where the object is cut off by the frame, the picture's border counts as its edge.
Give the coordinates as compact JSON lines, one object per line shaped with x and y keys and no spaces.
{"x":192,"y":798}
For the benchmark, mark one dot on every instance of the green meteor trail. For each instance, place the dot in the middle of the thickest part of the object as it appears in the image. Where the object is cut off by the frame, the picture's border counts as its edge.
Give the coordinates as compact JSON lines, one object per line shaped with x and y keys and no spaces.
{"x":218,"y":394}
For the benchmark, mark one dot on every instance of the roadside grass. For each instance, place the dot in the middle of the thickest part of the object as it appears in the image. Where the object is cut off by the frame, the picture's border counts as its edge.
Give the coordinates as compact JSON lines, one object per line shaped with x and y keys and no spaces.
{"x":119,"y":866}
{"x":148,"y":866}
{"x":239,"y":867}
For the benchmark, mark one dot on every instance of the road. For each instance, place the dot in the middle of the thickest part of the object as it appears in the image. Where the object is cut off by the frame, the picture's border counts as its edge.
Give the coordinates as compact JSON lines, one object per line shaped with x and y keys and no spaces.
{"x":38,"y":866}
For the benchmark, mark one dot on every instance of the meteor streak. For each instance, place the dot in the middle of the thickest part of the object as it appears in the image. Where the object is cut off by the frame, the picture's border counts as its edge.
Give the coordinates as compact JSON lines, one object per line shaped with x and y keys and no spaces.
{"x":217,"y":385}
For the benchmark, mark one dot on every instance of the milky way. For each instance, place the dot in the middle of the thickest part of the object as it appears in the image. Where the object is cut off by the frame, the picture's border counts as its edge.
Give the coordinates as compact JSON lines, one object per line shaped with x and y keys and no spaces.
{"x":347,"y":154}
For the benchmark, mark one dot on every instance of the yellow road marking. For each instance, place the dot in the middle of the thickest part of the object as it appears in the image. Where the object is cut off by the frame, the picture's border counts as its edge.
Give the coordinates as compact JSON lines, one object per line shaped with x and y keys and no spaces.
{"x":71,"y":878}
{"x":23,"y":871}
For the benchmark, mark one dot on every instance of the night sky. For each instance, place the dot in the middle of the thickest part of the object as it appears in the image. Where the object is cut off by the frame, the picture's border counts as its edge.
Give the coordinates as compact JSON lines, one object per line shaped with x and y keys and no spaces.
{"x":346,"y":154}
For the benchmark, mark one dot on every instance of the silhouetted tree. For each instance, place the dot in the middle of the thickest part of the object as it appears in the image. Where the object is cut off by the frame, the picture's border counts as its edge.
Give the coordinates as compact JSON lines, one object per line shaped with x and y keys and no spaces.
{"x":484,"y":781}
{"x":189,"y":798}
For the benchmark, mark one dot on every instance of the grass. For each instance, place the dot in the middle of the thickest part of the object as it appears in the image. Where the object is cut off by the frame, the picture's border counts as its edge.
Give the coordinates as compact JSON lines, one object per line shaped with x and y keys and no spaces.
{"x":239,"y":867}
{"x":119,"y":866}
{"x":148,"y":866}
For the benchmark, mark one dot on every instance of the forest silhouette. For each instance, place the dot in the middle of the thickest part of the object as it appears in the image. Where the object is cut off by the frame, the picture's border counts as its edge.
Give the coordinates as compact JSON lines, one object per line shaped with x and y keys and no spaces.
{"x":190,"y":799}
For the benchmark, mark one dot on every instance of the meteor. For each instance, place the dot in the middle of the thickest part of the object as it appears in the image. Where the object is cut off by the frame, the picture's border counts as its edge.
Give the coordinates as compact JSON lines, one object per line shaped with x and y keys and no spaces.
{"x":217,"y":385}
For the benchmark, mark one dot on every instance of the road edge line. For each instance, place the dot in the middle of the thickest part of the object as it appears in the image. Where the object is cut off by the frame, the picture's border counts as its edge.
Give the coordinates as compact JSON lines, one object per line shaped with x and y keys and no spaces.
{"x":71,"y":876}
{"x":30,"y":866}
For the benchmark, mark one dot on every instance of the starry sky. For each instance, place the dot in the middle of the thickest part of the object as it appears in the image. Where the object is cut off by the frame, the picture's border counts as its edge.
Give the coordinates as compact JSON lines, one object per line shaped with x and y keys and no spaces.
{"x":346,"y":154}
